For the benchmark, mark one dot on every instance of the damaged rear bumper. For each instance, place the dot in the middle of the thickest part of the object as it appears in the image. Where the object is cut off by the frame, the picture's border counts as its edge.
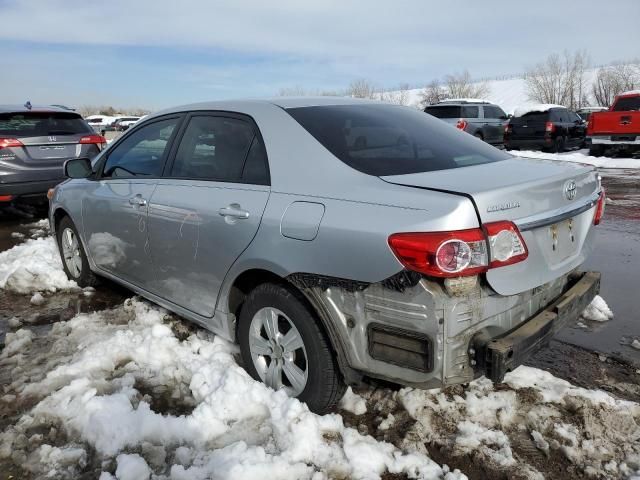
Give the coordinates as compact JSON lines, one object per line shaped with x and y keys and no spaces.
{"x":503,"y":354}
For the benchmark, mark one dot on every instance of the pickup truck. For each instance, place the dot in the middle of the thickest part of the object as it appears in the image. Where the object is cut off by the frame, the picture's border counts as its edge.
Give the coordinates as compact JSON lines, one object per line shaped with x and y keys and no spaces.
{"x":618,"y":129}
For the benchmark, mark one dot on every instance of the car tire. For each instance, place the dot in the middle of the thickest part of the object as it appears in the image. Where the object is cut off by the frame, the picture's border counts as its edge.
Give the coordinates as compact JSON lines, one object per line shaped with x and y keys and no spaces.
{"x":72,"y":254}
{"x":559,"y":145}
{"x":273,"y":320}
{"x":596,"y":150}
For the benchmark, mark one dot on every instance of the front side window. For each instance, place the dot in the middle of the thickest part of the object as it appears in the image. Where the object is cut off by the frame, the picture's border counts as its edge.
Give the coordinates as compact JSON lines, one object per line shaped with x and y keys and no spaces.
{"x":626,"y":104}
{"x":491,"y":111}
{"x":141,"y":154}
{"x":392,"y":140}
{"x":213,"y":148}
{"x":470,"y":111}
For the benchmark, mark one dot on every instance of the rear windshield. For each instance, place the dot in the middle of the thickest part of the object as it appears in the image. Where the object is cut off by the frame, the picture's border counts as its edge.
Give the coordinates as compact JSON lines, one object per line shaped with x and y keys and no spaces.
{"x":626,"y":104}
{"x":534,"y":117}
{"x":390,"y":140}
{"x":449,"y":111}
{"x":41,"y":124}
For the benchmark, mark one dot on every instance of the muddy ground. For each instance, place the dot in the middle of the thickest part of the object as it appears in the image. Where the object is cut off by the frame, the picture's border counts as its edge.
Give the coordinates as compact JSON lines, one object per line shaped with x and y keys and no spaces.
{"x":593,"y":357}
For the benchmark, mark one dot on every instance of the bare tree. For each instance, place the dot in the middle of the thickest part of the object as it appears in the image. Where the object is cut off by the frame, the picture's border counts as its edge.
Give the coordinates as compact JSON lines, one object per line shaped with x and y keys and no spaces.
{"x":399,"y":97}
{"x":432,"y":93}
{"x":559,"y":79}
{"x":362,"y":88}
{"x":296,"y":91}
{"x":613,"y":80}
{"x":460,"y":85}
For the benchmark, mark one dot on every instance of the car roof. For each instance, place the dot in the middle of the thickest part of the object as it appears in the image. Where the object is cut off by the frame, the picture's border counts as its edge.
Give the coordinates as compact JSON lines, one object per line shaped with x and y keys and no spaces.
{"x":34,"y":108}
{"x":282,"y":102}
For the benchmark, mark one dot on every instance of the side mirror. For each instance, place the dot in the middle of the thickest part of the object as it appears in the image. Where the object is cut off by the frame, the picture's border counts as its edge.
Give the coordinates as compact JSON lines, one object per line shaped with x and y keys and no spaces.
{"x":78,"y":168}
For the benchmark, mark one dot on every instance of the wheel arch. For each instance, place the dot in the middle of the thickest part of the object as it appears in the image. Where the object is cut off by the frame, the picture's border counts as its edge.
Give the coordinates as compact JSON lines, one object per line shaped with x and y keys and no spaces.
{"x":251,"y":278}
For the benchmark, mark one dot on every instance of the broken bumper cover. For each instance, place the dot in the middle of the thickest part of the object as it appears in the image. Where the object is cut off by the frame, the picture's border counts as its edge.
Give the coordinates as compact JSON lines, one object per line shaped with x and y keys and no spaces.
{"x":503,"y":354}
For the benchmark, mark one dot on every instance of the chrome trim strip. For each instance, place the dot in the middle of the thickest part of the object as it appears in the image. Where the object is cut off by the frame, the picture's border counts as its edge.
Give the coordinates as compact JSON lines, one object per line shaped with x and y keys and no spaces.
{"x":555,"y":216}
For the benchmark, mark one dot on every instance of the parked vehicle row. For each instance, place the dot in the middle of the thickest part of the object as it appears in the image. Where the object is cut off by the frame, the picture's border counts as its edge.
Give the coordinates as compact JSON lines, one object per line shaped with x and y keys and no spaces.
{"x":336,"y":240}
{"x":548,"y":127}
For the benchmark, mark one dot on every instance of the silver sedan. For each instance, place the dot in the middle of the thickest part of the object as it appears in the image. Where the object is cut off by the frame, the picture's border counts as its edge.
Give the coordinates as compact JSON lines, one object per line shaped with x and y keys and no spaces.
{"x":336,"y":240}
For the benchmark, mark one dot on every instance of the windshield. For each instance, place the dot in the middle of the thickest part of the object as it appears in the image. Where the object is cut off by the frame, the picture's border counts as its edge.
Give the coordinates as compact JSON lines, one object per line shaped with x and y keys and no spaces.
{"x":391,"y":140}
{"x":41,"y":124}
{"x":626,"y":104}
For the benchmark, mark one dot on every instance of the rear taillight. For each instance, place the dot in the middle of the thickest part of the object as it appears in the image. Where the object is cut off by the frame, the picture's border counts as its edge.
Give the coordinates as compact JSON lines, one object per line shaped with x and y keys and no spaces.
{"x":549,"y":127}
{"x":98,"y":140}
{"x":462,"y":124}
{"x":507,"y":128}
{"x":597,"y":216}
{"x":460,"y":253}
{"x":10,"y":142}
{"x":505,"y":243}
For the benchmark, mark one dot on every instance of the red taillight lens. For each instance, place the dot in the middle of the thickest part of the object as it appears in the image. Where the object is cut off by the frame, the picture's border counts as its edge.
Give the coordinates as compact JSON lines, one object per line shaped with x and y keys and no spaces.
{"x":549,"y":127}
{"x":597,"y":216}
{"x":507,"y":128}
{"x":505,"y":243}
{"x":460,"y":253}
{"x":94,"y":139}
{"x":462,"y":124}
{"x":10,"y":142}
{"x":442,"y":254}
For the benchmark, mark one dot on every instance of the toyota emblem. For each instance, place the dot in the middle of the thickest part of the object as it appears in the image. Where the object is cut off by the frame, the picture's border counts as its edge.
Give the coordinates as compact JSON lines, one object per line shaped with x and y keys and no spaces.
{"x":570,"y":190}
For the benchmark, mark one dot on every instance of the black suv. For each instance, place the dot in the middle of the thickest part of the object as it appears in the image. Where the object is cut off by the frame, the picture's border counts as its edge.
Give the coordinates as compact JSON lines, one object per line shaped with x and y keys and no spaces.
{"x":553,"y":129}
{"x":477,"y":117}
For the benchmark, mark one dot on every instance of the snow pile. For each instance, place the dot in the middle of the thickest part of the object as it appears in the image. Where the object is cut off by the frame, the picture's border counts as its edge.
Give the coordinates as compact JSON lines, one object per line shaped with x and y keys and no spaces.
{"x":593,"y":432}
{"x":118,"y":383}
{"x":33,"y":266}
{"x":581,"y":157}
{"x":354,"y":403}
{"x":534,"y":107}
{"x":597,"y":311}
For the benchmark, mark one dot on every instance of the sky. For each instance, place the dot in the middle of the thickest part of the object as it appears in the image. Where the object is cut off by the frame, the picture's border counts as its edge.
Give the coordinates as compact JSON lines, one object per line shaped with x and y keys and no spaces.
{"x":157,"y":53}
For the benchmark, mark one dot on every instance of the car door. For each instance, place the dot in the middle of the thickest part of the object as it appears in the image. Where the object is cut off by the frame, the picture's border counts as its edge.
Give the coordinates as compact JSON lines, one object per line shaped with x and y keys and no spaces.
{"x":494,"y":120}
{"x":576,"y":129}
{"x":114,"y":210}
{"x":207,"y":208}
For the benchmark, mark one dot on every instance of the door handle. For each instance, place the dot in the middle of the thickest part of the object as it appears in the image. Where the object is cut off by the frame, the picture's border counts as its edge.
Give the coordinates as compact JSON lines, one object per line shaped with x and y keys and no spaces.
{"x":234,"y":211}
{"x":138,"y":200}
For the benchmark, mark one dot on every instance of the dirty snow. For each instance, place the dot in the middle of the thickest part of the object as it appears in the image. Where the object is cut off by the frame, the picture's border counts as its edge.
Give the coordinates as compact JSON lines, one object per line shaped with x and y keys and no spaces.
{"x":97,"y":399}
{"x":597,"y":311}
{"x":33,"y":266}
{"x":521,"y":110}
{"x":581,"y":156}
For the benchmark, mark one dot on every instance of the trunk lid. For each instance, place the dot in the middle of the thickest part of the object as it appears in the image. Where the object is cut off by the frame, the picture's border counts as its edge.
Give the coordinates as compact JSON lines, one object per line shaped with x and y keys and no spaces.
{"x":552,"y":203}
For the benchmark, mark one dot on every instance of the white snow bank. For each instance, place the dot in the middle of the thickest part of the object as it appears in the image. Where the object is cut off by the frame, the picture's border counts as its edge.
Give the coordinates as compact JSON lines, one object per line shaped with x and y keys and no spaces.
{"x":597,"y":311}
{"x":593,"y":430}
{"x":521,"y":110}
{"x":226,"y":424}
{"x":132,"y":467}
{"x":581,"y":157}
{"x":33,"y":266}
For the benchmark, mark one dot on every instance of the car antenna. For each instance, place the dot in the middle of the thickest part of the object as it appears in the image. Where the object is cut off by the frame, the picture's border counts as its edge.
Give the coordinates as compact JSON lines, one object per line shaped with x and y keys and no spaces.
{"x":27,"y":105}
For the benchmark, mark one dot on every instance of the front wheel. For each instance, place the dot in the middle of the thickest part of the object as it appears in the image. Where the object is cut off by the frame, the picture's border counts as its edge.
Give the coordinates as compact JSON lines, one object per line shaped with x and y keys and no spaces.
{"x":596,"y":150}
{"x":74,"y":258}
{"x":283,"y":345}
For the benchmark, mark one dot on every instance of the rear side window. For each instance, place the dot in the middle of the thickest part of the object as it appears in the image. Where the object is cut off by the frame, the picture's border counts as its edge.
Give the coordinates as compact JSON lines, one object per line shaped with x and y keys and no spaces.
{"x":445,"y":111}
{"x":470,"y":111}
{"x":142,"y":153}
{"x":392,"y":140}
{"x":626,"y":104}
{"x":42,"y":124}
{"x":213,"y":148}
{"x":491,"y":111}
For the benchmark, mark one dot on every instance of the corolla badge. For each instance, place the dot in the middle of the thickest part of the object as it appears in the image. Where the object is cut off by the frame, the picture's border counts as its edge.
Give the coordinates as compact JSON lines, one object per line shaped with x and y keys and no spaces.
{"x":503,"y":206}
{"x":570,"y":189}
